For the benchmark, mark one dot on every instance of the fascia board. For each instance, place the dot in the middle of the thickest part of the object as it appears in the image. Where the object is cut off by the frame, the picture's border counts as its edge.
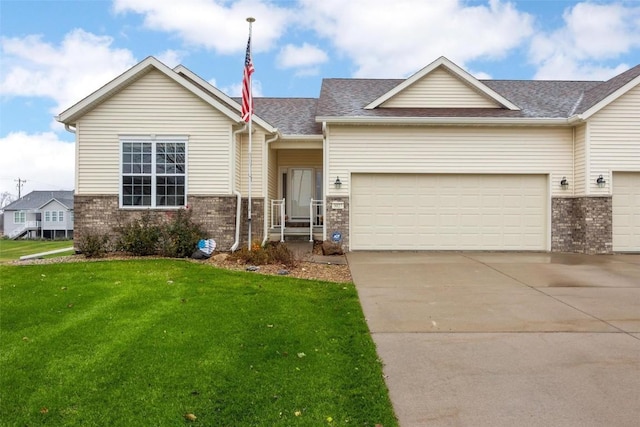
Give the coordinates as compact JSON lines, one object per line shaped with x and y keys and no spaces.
{"x":455,"y":69}
{"x":302,"y":137}
{"x":444,"y":121}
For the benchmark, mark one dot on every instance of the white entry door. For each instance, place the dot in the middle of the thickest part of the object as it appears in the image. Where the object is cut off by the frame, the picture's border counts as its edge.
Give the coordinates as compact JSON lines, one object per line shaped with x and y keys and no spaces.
{"x":301,"y":189}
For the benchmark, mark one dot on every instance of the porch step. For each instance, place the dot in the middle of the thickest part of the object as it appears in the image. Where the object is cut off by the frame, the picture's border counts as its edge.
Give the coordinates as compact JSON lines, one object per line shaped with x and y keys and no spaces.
{"x":299,"y":234}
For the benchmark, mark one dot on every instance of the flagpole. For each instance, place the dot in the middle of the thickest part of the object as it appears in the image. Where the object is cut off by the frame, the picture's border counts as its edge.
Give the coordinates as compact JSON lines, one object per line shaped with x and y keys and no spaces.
{"x":250,"y":20}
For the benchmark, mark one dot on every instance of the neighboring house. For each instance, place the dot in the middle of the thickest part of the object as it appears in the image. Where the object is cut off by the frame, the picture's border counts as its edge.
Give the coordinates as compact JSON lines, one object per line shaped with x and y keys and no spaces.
{"x":437,"y":161}
{"x":40,"y":215}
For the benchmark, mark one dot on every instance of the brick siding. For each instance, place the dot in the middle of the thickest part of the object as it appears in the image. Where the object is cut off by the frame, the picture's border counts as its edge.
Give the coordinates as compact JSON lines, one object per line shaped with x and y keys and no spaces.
{"x":217,"y":214}
{"x":338,"y":220}
{"x":582,"y":225}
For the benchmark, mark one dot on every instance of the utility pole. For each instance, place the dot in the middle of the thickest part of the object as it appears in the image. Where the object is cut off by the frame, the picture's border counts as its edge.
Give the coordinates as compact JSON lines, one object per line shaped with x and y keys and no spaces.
{"x":19,"y":185}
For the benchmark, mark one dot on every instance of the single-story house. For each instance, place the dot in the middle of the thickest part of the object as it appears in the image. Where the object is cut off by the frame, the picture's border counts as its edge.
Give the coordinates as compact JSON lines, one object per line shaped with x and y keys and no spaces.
{"x":437,"y":161}
{"x":40,"y":215}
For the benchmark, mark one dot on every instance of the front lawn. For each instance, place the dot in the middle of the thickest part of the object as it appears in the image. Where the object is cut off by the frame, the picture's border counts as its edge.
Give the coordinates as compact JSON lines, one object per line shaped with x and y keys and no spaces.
{"x":146,"y":342}
{"x":11,"y":250}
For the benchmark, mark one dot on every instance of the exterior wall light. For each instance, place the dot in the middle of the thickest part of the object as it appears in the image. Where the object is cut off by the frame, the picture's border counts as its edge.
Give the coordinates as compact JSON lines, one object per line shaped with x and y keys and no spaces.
{"x":337,"y":183}
{"x":600,"y":181}
{"x":564,"y":183}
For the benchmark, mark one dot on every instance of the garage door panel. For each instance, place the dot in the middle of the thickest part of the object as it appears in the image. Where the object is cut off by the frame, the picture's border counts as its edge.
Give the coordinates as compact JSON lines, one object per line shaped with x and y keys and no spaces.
{"x":626,"y":211}
{"x":452,"y":212}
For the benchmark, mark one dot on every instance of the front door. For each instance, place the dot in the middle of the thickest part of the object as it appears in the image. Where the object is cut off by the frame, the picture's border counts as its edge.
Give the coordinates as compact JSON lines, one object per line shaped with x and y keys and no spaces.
{"x":301,"y":190}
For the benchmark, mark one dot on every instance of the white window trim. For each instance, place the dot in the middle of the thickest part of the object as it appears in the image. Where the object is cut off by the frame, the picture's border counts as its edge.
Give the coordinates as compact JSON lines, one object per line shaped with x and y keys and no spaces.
{"x":154,"y":139}
{"x":22,"y":219}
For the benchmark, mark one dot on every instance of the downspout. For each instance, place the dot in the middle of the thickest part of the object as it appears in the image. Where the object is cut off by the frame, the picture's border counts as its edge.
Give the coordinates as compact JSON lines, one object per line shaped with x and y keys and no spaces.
{"x":68,"y":128}
{"x":325,"y":177}
{"x":236,"y":243}
{"x":275,"y":136}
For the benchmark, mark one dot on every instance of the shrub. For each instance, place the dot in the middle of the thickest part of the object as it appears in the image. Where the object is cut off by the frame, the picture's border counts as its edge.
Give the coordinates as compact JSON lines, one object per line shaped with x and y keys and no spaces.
{"x":272,"y":253}
{"x":94,"y":245}
{"x":139,"y":236}
{"x":180,"y":235}
{"x":279,"y":253}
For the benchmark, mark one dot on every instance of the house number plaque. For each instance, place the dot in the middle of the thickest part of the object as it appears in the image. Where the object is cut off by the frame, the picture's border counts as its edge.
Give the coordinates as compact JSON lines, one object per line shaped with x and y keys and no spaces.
{"x":337,"y":205}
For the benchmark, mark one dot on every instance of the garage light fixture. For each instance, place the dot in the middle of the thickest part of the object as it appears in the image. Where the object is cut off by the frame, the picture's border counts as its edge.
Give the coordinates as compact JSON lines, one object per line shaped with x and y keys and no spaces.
{"x":600,"y":181}
{"x":337,"y":183}
{"x":564,"y":183}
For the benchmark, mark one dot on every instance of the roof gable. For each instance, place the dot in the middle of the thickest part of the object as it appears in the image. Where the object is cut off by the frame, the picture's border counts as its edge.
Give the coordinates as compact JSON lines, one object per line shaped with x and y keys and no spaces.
{"x":37,"y":199}
{"x":229,"y":102}
{"x":76,"y":111}
{"x":607,"y":92}
{"x":442,"y":84}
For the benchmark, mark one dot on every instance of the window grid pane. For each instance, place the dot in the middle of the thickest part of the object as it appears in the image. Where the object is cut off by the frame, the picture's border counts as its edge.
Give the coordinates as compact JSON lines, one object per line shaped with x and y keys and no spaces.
{"x":148,"y":166}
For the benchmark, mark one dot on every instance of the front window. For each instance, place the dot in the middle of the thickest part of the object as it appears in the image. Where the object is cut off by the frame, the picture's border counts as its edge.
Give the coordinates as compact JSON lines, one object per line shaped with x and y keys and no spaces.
{"x":61,"y":216}
{"x":47,"y":216}
{"x":154,"y":173}
{"x":19,"y":217}
{"x":54,"y":216}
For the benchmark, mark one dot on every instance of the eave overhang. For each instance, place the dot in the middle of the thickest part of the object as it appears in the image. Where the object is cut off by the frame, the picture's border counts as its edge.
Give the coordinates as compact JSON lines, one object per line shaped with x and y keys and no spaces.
{"x":434,"y":121}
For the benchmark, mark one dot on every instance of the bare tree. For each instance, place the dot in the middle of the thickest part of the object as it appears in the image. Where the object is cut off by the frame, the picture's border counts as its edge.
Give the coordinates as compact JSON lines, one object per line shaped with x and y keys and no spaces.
{"x":6,"y":198}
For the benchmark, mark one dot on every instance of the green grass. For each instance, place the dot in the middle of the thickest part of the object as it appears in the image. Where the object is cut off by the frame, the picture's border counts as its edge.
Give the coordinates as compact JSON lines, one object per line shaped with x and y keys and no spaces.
{"x":124,"y":343}
{"x":11,"y":250}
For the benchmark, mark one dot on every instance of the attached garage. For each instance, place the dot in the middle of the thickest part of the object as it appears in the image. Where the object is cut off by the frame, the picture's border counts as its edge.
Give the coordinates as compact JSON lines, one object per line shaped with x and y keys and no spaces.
{"x":449,"y":212}
{"x":626,"y":211}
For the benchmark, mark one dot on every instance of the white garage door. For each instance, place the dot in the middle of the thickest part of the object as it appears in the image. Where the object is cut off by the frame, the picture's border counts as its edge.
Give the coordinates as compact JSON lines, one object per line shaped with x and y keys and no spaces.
{"x":626,"y":211}
{"x":449,"y":212}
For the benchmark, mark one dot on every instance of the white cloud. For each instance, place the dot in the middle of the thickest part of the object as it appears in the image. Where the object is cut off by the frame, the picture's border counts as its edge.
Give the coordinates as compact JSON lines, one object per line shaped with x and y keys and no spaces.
{"x":235,"y":90}
{"x":214,"y":24}
{"x":304,"y":57}
{"x":394,"y":39}
{"x":66,"y":73}
{"x":171,"y":58}
{"x":593,"y":33}
{"x":44,"y":160}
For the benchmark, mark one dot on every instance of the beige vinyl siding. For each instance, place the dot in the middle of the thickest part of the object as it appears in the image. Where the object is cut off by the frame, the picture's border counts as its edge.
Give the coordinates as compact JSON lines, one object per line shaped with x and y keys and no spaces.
{"x":579,"y":179}
{"x":154,"y":104}
{"x":257,"y":145}
{"x":449,"y":150}
{"x":439,"y":89}
{"x":614,"y":139}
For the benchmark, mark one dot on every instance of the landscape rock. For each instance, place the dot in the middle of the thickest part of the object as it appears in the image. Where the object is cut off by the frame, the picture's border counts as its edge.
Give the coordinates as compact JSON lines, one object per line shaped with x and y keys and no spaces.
{"x":331,"y":248}
{"x":221,"y":257}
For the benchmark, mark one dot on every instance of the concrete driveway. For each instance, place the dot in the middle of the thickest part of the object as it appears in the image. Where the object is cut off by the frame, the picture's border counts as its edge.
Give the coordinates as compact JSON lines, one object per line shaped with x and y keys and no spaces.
{"x":505,"y":339}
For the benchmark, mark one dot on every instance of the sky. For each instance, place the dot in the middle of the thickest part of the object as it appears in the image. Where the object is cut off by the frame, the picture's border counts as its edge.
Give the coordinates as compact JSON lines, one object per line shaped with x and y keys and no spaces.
{"x":53,"y":53}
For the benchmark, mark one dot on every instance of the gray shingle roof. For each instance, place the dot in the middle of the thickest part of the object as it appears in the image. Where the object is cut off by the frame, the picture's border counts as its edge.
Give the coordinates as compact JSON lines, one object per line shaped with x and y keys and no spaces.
{"x":536,"y":98}
{"x":292,"y":116}
{"x":36,"y":199}
{"x":601,"y":91}
{"x":347,"y":98}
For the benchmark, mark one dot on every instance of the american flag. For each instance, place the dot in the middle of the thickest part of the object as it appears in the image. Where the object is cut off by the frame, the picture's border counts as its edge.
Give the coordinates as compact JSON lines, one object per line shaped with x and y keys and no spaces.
{"x":247,"y":97}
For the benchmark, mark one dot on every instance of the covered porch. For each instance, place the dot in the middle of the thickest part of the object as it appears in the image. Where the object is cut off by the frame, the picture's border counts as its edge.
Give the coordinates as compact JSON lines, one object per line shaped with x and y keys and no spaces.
{"x":296,"y":191}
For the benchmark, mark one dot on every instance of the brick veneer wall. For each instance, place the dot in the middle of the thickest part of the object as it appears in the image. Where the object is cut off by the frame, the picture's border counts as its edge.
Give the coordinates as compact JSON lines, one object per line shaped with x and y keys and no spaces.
{"x":338,"y":220}
{"x":217,"y":214}
{"x":593,"y":229}
{"x":582,"y":225}
{"x":562,"y":224}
